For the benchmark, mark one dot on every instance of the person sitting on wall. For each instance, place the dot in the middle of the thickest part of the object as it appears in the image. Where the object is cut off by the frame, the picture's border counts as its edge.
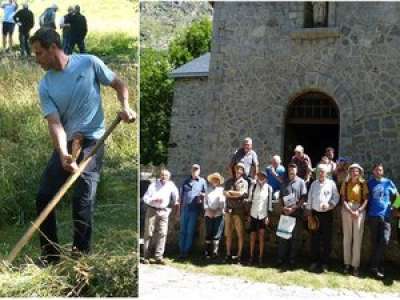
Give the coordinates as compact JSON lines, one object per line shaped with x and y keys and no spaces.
{"x":276,"y":173}
{"x":236,"y":191}
{"x":214,"y":204}
{"x":382,"y":192}
{"x":192,"y":196}
{"x":322,"y":199}
{"x":261,"y":203}
{"x":248,"y":157}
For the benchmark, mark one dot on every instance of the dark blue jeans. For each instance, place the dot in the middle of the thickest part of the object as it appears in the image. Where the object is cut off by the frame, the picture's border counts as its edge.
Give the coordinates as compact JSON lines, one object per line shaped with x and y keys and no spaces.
{"x":25,"y":47}
{"x":80,"y":42}
{"x":83,"y":200}
{"x":214,"y":228}
{"x":188,"y":222}
{"x":380,"y":230}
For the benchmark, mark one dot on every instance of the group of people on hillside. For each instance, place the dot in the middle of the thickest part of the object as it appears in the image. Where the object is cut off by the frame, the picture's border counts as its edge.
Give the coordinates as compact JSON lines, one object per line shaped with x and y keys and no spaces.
{"x":73,"y":26}
{"x":243,"y":203}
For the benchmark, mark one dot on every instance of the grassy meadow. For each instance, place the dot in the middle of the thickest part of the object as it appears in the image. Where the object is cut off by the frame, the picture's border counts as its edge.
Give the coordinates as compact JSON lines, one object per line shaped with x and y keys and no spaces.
{"x":25,"y":146}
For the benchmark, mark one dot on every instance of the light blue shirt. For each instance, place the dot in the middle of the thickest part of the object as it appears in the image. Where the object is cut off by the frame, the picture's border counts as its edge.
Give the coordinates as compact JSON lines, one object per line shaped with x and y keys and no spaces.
{"x":74,"y":93}
{"x":9,"y":11}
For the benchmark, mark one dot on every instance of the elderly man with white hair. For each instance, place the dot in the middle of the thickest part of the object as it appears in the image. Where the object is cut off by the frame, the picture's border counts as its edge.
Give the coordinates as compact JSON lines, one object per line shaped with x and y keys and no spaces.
{"x":322,"y":199}
{"x":160,"y":197}
{"x":247,"y":156}
{"x":276,"y":173}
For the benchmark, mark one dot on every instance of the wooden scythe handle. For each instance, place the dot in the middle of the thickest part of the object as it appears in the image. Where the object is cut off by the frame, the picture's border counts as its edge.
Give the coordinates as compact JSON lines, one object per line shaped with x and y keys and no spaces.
{"x":64,"y":188}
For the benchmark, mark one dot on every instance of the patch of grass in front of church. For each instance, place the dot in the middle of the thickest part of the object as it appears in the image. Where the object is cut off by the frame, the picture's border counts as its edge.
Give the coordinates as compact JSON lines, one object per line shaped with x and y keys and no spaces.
{"x":334,"y":278}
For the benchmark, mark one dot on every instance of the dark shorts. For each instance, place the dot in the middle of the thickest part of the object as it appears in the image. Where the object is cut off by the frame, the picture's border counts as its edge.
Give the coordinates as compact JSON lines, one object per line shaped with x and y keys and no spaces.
{"x":8,"y":28}
{"x":256,"y":225}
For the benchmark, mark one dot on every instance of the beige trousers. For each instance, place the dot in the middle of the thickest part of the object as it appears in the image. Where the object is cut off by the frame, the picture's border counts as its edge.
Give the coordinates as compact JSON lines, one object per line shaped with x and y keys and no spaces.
{"x":155,"y":231}
{"x":353,"y":230}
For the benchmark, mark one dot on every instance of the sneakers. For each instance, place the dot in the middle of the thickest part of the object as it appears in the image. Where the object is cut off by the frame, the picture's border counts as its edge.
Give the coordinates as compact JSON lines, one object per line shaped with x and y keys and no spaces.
{"x":260,"y":261}
{"x":356,"y":272}
{"x":377,"y":274}
{"x":347,"y":269}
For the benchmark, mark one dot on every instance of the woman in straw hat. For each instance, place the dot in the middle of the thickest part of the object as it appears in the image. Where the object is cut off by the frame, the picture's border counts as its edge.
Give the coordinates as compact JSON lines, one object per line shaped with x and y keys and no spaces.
{"x":354,"y":195}
{"x":214,"y":204}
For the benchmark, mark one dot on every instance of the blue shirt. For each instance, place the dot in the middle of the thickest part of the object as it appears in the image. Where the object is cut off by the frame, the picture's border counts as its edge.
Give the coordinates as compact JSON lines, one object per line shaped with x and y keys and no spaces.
{"x":272,"y":180}
{"x":379,"y":204}
{"x":190,"y":191}
{"x":9,"y":11}
{"x":74,"y":93}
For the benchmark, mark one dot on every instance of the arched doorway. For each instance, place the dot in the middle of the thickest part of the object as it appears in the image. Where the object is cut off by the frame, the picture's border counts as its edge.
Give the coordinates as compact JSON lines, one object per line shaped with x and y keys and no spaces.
{"x":312,"y":120}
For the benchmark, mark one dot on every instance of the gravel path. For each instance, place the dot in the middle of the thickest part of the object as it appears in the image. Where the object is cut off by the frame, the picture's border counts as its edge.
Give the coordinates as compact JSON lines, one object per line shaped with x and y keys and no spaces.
{"x":165,"y":282}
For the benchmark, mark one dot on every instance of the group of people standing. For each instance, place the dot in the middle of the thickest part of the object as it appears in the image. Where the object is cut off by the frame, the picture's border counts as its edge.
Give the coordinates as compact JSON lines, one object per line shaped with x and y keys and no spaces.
{"x":307,"y":197}
{"x":73,"y":25}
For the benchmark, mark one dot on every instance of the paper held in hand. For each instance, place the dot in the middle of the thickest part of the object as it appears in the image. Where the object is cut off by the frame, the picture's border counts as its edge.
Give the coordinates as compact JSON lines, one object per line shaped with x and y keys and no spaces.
{"x":285,"y":227}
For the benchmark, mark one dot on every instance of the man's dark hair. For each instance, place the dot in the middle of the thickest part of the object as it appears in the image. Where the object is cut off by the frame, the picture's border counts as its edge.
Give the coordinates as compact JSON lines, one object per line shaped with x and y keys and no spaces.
{"x":46,"y":37}
{"x":329,"y":149}
{"x":378,"y":164}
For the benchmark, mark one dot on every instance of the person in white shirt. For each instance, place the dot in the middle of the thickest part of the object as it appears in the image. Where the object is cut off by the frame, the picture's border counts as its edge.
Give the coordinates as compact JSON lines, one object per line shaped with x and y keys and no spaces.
{"x":160,"y":197}
{"x":322,"y":199}
{"x":261,"y":203}
{"x":214,"y":204}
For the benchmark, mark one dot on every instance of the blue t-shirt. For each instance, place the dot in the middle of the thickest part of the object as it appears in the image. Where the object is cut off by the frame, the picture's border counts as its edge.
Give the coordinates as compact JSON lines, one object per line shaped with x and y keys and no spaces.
{"x":74,"y":93}
{"x":379,"y":197}
{"x":191,"y":188}
{"x":9,"y":11}
{"x":272,"y":180}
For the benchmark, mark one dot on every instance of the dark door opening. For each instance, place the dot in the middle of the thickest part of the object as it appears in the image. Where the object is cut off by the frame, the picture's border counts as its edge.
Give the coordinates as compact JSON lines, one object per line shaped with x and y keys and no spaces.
{"x":312,"y":121}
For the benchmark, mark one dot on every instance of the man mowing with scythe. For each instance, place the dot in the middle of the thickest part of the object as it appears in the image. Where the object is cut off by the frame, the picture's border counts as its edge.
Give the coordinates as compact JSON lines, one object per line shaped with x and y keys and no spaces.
{"x":70,"y":100}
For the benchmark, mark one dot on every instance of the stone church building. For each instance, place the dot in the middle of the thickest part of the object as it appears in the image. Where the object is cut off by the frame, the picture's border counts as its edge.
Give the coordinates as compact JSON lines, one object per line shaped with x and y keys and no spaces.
{"x":280,"y":77}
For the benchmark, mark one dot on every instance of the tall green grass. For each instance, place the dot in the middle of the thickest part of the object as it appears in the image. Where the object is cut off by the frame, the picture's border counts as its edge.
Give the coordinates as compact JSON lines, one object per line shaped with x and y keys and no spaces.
{"x":111,"y":269}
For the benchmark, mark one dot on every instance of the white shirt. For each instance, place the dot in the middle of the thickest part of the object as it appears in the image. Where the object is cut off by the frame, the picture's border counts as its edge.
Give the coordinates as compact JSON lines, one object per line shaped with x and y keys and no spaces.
{"x":165,"y":192}
{"x":261,"y":200}
{"x":325,"y":192}
{"x":214,"y":202}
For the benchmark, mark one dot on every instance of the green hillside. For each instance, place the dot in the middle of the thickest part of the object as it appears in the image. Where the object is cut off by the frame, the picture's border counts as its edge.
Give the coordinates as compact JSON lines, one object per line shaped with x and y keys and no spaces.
{"x":103,"y":16}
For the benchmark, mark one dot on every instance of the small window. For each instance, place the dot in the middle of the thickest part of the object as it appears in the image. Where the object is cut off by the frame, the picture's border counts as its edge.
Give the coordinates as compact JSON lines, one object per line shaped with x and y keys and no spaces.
{"x":316,"y":14}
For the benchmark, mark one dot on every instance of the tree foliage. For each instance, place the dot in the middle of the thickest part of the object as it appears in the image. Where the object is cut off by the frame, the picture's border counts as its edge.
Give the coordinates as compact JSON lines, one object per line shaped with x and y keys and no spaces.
{"x":156,"y":88}
{"x":192,"y":43}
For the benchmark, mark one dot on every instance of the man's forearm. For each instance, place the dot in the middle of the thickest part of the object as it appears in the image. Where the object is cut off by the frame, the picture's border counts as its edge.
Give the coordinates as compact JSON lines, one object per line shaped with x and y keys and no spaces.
{"x":58,"y":135}
{"x":122,"y":92}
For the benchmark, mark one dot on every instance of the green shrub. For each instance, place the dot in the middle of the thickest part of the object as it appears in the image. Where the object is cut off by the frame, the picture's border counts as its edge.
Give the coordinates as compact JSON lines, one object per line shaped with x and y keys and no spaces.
{"x":156,"y":88}
{"x":114,"y":45}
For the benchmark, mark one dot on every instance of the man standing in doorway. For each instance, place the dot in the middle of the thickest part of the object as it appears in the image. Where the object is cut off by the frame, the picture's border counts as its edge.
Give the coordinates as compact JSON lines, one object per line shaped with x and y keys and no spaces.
{"x":303,"y":163}
{"x":71,"y":103}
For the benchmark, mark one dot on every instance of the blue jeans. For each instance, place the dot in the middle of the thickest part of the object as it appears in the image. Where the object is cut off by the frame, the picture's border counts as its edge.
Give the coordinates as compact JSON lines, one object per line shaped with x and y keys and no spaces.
{"x":380,"y":230}
{"x":188,"y":228}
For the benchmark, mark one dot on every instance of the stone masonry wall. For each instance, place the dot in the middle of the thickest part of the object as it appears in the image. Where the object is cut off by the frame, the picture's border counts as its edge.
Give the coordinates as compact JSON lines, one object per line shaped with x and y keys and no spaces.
{"x":261,"y":59}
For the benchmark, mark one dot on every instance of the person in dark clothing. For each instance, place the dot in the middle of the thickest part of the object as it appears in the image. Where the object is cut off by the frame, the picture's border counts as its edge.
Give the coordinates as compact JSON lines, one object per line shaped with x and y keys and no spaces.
{"x":24,"y":18}
{"x":66,"y":30}
{"x":78,"y":30}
